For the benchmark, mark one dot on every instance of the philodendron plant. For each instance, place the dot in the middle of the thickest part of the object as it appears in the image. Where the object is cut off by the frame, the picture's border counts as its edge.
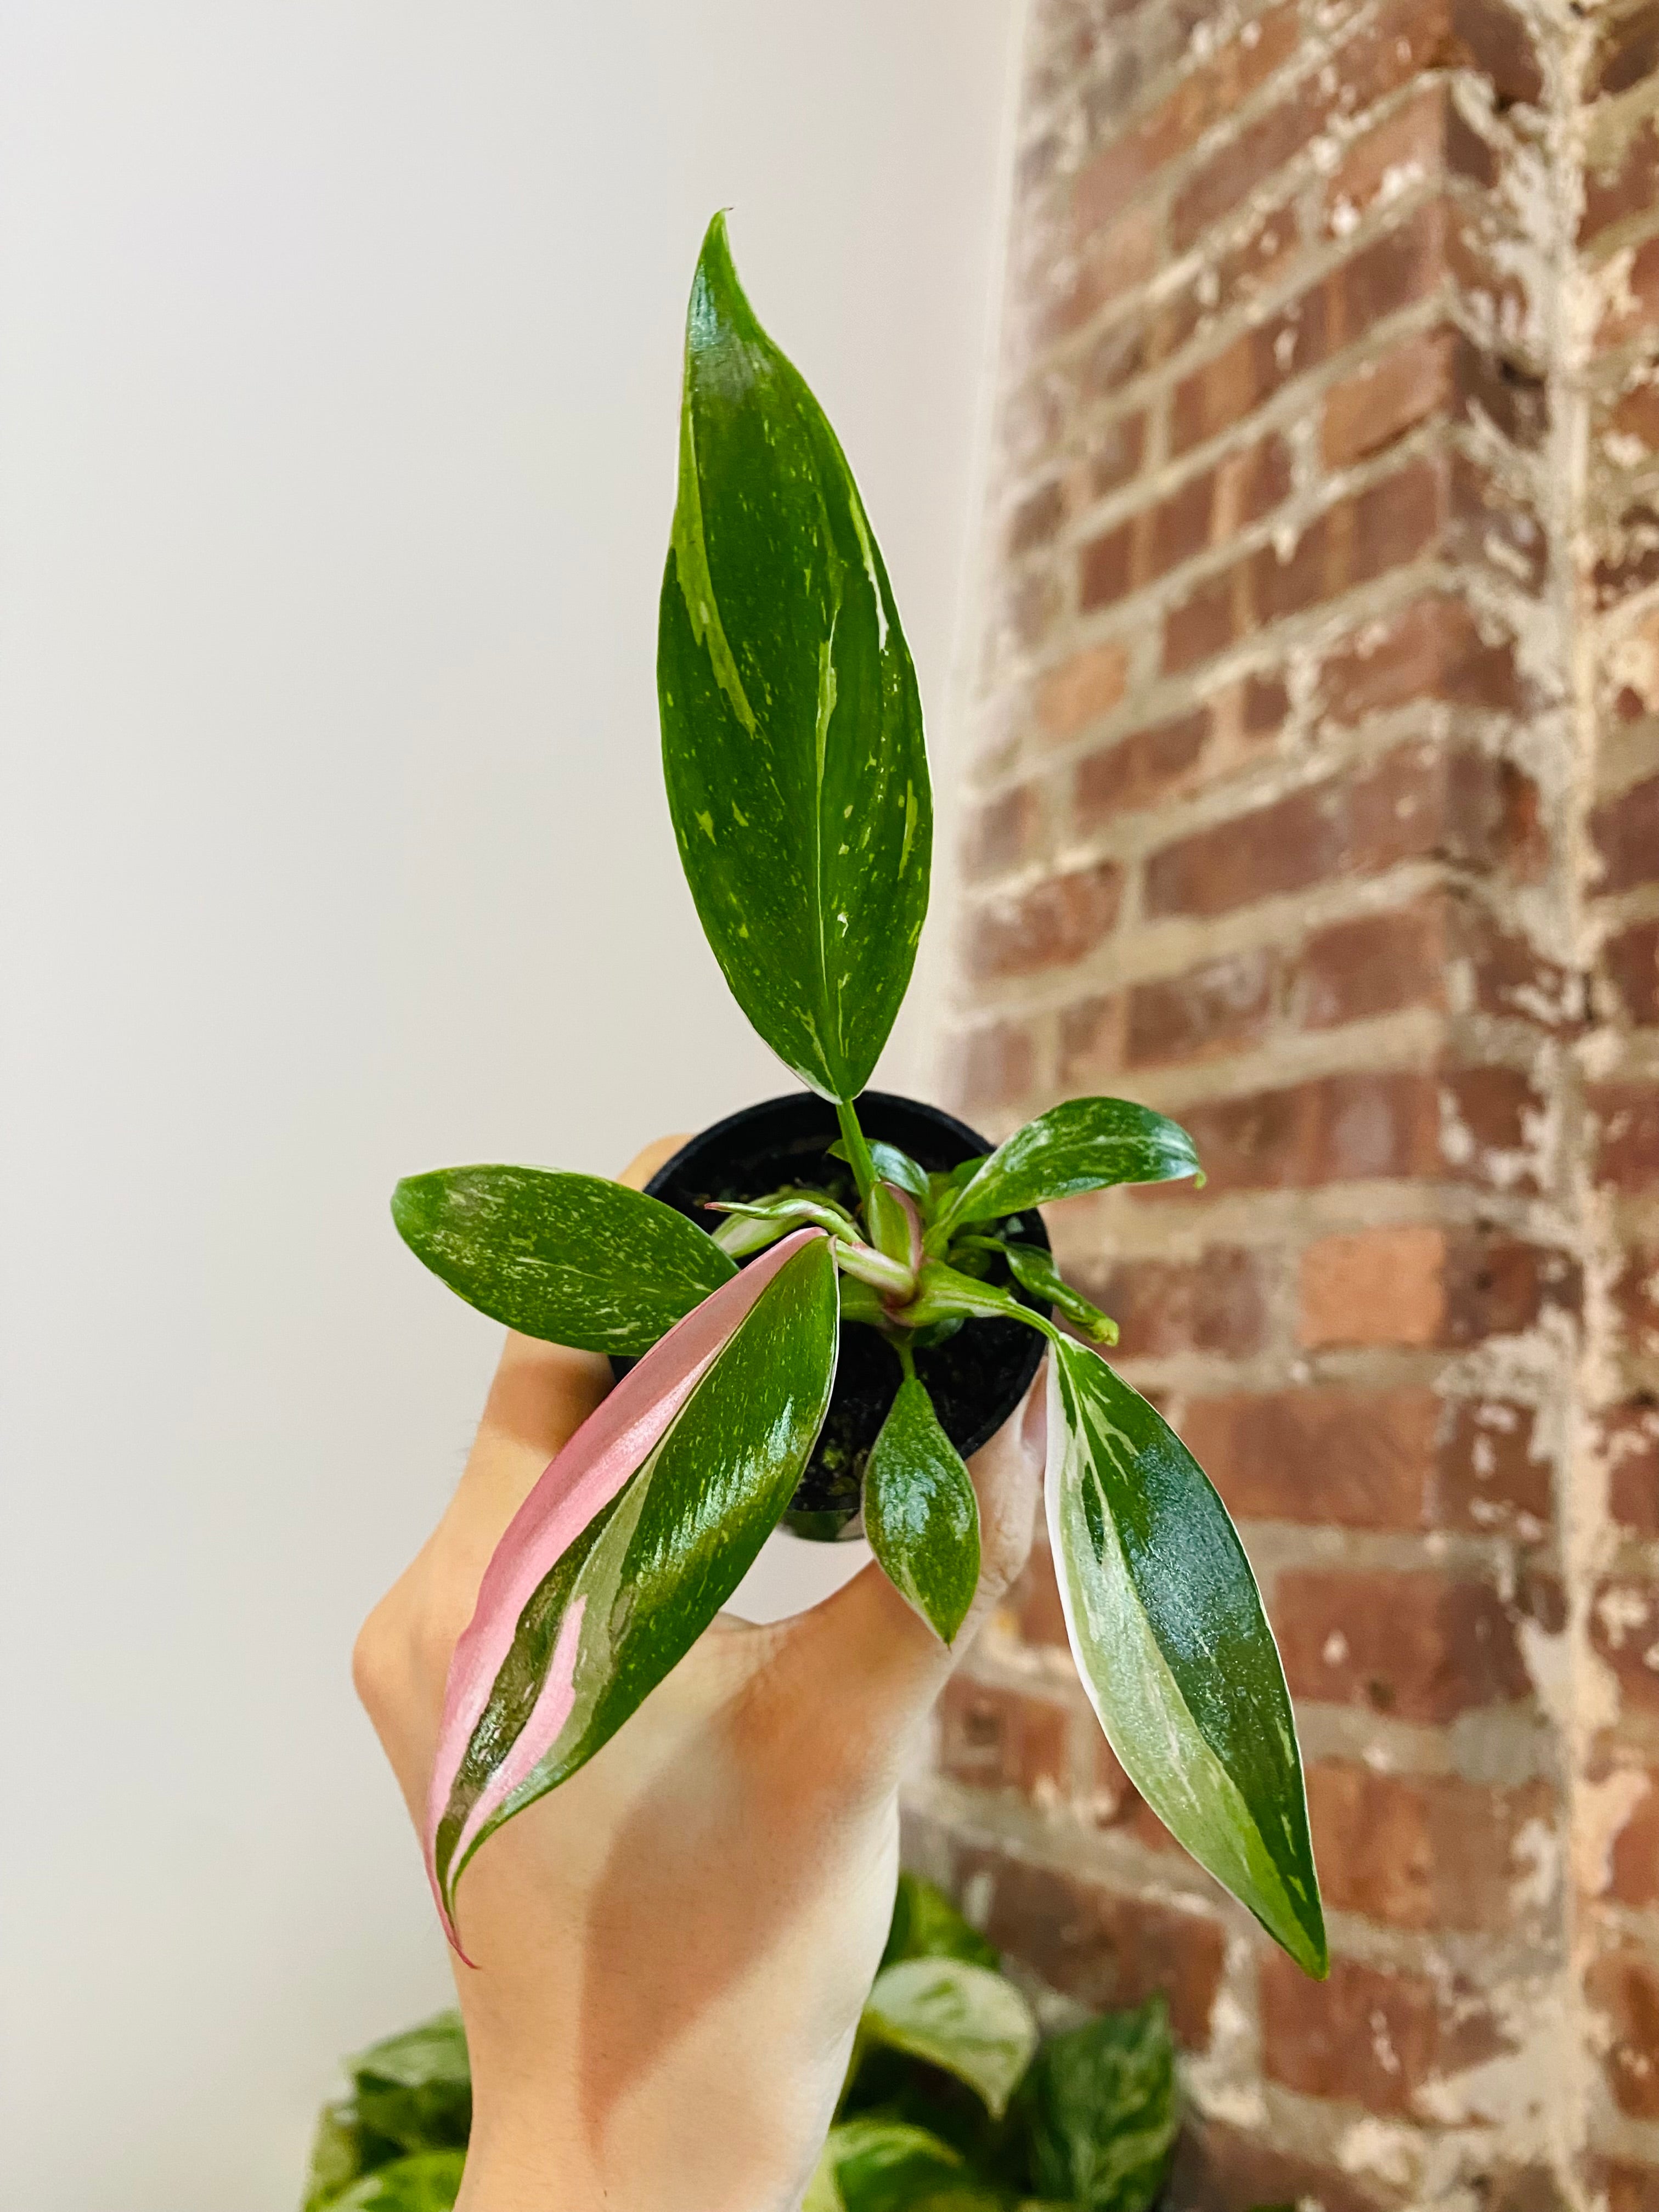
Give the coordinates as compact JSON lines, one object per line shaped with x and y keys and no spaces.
{"x":796,"y":780}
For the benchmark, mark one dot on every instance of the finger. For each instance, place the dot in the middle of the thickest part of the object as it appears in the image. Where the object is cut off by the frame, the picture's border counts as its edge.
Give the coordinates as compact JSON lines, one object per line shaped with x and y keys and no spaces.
{"x":868,"y":1651}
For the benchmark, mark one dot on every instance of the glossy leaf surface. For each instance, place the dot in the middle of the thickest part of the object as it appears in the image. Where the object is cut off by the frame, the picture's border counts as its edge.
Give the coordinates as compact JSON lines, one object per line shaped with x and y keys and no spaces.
{"x":926,"y":1925}
{"x":571,"y":1259}
{"x":1034,"y":1270}
{"x":954,"y":2015}
{"x":919,"y":1511}
{"x":416,"y":2089}
{"x":1100,"y":2108}
{"x":1167,"y":1628}
{"x":892,"y":1166}
{"x":428,"y":2182}
{"x":630,"y":1543}
{"x":1086,"y":1144}
{"x":878,"y":2164}
{"x":790,"y":723}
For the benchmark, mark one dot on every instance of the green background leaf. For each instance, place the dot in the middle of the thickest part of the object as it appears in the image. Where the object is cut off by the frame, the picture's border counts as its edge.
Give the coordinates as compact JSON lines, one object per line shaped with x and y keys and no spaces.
{"x":879,"y":2165}
{"x":791,"y":724}
{"x":962,"y":2017}
{"x":1087,"y":1143}
{"x":1174,"y":1648}
{"x":919,"y":1511}
{"x":926,"y":1925}
{"x":416,"y":2089}
{"x":427,"y":2183}
{"x":1100,"y":2105}
{"x":572,"y":1259}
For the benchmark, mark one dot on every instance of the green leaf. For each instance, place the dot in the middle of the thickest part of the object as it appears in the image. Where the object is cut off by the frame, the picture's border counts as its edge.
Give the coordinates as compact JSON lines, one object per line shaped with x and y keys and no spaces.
{"x":791,"y":725}
{"x":415,"y":2088}
{"x":1034,"y":1270}
{"x":823,"y":2190}
{"x":1167,"y":1631}
{"x":919,"y":1511}
{"x":884,"y":2166}
{"x":427,"y":2183}
{"x":614,"y":1607}
{"x":926,"y":1925}
{"x":337,"y":2156}
{"x":962,"y":2017}
{"x":1100,"y":2113}
{"x":892,"y":1166}
{"x":1087,"y":1143}
{"x":569,"y":1258}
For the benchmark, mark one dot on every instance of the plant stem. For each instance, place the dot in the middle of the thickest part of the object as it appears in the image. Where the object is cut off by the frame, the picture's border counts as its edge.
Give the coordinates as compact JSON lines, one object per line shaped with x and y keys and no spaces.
{"x":858,"y":1152}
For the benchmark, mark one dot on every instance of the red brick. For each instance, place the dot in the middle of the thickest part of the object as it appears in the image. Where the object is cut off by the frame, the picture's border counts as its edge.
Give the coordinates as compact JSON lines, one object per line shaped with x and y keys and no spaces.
{"x":1050,"y":925}
{"x":1419,"y":803}
{"x":1032,"y":607}
{"x":1431,"y":650}
{"x":1356,"y":1459}
{"x":1034,"y":1599}
{"x":1626,"y":2187}
{"x":1623,"y":1986}
{"x":1082,"y":688}
{"x":1493,"y":1121}
{"x":1485,"y":35}
{"x":1116,"y":258}
{"x":1625,"y":186}
{"x":1092,"y":1040}
{"x":1425,"y":1851}
{"x":1207,"y":621}
{"x":1489,"y":1476}
{"x":1630,"y":558}
{"x":1624,"y":1635}
{"x":1426,"y":136}
{"x":1629,"y":1437}
{"x":1105,"y":1950}
{"x":1212,"y":1009}
{"x":1038,"y":519}
{"x":1635,"y":1298}
{"x":1387,"y":396}
{"x":1217,"y":189}
{"x":1626,"y":51}
{"x":1133,"y":157}
{"x":1140,"y":769}
{"x":1632,"y":306}
{"x":1166,"y":1307}
{"x":1420,"y":1646}
{"x":1374,"y":964}
{"x":1375,"y":1286}
{"x":1632,"y":963}
{"x":1265,"y":705}
{"x":1336,"y":1128}
{"x":1631,"y":1866}
{"x":1494,"y":39}
{"x":1497,"y":1284}
{"x":1003,"y":833}
{"x":1628,"y":1157}
{"x":992,"y":1066}
{"x":1365,"y":2037}
{"x":1115,"y":454}
{"x":1217,"y":2169}
{"x":1626,"y":834}
{"x":995,"y":1738}
{"x":1103,"y":568}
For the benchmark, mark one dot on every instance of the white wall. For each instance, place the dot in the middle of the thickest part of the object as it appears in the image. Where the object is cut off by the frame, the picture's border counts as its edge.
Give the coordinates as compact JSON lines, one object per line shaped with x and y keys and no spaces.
{"x":339,"y":357}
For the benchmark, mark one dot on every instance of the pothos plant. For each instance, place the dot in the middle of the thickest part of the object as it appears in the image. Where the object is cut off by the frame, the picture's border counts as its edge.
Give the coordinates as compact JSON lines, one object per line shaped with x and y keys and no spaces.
{"x":797,"y":781}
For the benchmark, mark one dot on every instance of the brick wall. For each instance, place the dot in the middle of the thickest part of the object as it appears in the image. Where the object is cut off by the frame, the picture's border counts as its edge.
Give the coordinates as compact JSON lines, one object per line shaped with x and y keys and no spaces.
{"x":1315,"y":799}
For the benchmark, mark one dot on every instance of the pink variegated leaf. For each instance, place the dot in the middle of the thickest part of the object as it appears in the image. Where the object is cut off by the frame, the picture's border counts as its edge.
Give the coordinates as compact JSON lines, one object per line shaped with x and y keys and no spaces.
{"x":630,"y":1543}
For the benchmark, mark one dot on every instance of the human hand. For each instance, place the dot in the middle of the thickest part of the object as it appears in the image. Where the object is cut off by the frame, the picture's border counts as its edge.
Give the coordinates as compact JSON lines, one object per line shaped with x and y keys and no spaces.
{"x":673,"y":1947}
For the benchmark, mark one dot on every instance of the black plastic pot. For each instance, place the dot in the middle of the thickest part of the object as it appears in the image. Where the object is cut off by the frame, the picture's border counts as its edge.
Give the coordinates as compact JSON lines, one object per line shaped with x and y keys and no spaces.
{"x":975,"y":1378}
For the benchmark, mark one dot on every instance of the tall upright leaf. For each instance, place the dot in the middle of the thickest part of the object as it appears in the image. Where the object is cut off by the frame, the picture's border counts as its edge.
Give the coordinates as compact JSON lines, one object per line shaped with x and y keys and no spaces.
{"x":633,"y":1540}
{"x":571,"y":1259}
{"x":791,"y":724}
{"x":1167,"y":1631}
